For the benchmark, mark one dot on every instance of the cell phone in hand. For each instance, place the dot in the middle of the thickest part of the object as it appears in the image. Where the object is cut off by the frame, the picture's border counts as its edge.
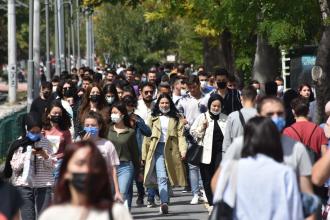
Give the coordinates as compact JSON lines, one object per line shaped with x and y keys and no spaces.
{"x":82,"y":133}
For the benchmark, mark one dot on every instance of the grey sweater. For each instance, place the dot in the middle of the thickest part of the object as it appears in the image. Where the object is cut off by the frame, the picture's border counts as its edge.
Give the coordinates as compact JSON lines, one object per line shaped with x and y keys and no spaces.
{"x":234,"y":126}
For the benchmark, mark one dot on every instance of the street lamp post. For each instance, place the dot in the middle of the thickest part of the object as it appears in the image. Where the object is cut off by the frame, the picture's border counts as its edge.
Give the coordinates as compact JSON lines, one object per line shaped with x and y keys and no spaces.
{"x":36,"y":47}
{"x":78,"y":34}
{"x":47,"y":40}
{"x":30,"y":61}
{"x":12,"y":76}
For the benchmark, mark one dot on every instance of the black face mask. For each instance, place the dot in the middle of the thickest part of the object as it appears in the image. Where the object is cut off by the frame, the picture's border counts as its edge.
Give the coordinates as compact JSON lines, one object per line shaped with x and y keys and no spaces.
{"x":68,"y":93}
{"x":46,"y":95}
{"x":222,"y":85}
{"x":55,"y":118}
{"x":95,"y":98}
{"x":79,"y":181}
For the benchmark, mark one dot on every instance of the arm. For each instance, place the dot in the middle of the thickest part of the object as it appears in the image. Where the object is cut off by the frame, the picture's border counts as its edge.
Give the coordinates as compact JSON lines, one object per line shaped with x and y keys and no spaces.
{"x":215,"y":178}
{"x":197,"y":130}
{"x":145,"y":130}
{"x":146,"y":143}
{"x":227,"y":140}
{"x":321,"y":170}
{"x":133,"y":146}
{"x":182,"y":140}
{"x":118,"y":196}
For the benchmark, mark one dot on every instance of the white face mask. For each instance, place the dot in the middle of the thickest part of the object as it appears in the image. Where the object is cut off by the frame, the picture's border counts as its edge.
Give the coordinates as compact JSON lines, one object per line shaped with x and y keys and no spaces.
{"x":54,"y":88}
{"x":203,"y":84}
{"x":110,"y":99}
{"x":258,"y":91}
{"x":116,"y":118}
{"x":164,"y":111}
{"x":183,"y":92}
{"x":280,"y":89}
{"x":215,"y":113}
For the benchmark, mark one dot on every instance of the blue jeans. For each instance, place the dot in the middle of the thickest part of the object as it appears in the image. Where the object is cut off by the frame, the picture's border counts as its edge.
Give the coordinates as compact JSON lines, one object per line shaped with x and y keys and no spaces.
{"x":35,"y":201}
{"x":56,"y":172}
{"x":161,"y":172}
{"x":125,"y":172}
{"x":194,"y":178}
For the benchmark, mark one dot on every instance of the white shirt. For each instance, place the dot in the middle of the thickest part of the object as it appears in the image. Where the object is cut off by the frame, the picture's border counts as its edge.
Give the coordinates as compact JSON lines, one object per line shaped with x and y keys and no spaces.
{"x":70,"y":212}
{"x":142,"y":110}
{"x":163,"y":125}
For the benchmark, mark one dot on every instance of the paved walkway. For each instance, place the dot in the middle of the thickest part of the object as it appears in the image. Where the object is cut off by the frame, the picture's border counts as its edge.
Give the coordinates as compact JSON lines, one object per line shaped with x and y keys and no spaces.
{"x":179,"y":208}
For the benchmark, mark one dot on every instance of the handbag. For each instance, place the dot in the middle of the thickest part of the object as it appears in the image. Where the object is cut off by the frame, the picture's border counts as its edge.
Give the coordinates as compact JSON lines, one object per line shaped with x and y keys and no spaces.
{"x":195,"y":151}
{"x":224,"y":210}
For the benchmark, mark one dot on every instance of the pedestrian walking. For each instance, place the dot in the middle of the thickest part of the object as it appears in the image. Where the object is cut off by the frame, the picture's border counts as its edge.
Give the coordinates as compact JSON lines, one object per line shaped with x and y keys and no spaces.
{"x":163,"y":153}
{"x":29,"y":165}
{"x":261,"y":160}
{"x":84,"y":190}
{"x":124,"y":139}
{"x":209,"y":130}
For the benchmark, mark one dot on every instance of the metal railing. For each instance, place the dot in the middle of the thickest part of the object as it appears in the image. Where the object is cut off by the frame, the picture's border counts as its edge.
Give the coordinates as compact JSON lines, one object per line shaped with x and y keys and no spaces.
{"x":10,"y":130}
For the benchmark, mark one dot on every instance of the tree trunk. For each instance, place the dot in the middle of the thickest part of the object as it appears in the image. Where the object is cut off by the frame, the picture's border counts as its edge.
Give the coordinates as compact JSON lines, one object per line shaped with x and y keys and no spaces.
{"x":218,"y":52}
{"x":322,"y":60}
{"x":266,"y":62}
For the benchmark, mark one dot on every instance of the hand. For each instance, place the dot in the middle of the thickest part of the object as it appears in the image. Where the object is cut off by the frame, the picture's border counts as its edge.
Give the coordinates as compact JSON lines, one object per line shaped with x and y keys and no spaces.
{"x":40,"y":152}
{"x":184,"y":121}
{"x":183,"y":155}
{"x":87,"y":136}
{"x":118,"y":197}
{"x":205,"y":124}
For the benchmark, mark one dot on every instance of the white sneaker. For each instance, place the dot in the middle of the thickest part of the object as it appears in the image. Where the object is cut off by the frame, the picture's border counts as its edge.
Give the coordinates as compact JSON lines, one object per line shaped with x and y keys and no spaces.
{"x":203,"y":198}
{"x":194,"y":200}
{"x":210,"y":209}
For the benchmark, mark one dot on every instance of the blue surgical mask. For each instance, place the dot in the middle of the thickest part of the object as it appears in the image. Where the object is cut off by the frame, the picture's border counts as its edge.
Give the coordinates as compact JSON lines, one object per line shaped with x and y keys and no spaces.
{"x":33,"y":137}
{"x":94,"y":131}
{"x":279,"y":122}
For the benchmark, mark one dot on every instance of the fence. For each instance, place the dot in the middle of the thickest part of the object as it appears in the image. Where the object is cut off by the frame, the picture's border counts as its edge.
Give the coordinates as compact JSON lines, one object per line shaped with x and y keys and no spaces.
{"x":10,"y":129}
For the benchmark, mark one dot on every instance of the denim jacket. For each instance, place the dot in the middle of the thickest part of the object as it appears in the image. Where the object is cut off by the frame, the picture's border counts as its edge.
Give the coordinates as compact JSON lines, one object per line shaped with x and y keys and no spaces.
{"x":141,"y":130}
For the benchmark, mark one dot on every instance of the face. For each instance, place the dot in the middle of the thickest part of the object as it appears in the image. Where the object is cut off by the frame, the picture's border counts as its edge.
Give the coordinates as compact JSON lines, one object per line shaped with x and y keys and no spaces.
{"x":70,"y":100}
{"x":202,"y":78}
{"x":279,"y":82}
{"x":164,"y":90}
{"x":129,"y":76}
{"x":56,"y":111}
{"x":95,"y":91}
{"x":130,"y":108}
{"x":256,"y":85}
{"x":152,"y":77}
{"x":231,"y":85}
{"x":164,"y":103}
{"x":78,"y":162}
{"x":221,"y":78}
{"x":108,"y":95}
{"x":91,"y":122}
{"x":35,"y":130}
{"x":46,"y":91}
{"x":184,"y":85}
{"x":215,"y":106}
{"x":85,"y":84}
{"x":120,"y":93}
{"x":194,"y":89}
{"x":86,"y":73}
{"x":115,"y":111}
{"x":305,"y":92}
{"x":147,"y":93}
{"x":110,"y":77}
{"x":66,"y":86}
{"x":270,"y":109}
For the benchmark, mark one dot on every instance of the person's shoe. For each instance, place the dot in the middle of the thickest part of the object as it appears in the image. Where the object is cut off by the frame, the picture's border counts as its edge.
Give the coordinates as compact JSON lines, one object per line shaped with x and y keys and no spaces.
{"x":194,"y":200}
{"x":151,"y":204}
{"x":210,"y":209}
{"x":186,"y":189}
{"x":202,"y":197}
{"x":139,"y":201}
{"x":164,"y":208}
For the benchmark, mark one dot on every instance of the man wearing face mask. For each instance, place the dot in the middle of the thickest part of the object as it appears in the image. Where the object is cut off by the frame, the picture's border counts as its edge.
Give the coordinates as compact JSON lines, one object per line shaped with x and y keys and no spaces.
{"x":295,"y":153}
{"x":203,"y":79}
{"x":280,"y":86}
{"x":231,"y":97}
{"x":39,"y":104}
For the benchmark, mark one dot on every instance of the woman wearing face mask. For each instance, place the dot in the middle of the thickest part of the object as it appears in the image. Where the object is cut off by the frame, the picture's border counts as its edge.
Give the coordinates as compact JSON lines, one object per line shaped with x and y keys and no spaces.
{"x":56,"y":125}
{"x":305,"y":91}
{"x":164,"y":151}
{"x":30,"y":167}
{"x":96,"y":131}
{"x":208,"y":129}
{"x":94,"y":100}
{"x":84,"y":190}
{"x":111,"y":95}
{"x":124,"y":139}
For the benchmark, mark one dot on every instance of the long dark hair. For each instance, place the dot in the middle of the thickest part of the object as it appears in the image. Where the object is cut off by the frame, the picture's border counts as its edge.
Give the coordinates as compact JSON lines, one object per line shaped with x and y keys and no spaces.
{"x":64,"y":124}
{"x":174,"y":113}
{"x":111,"y":88}
{"x":301,"y":86}
{"x":121,"y":106}
{"x":262,"y":136}
{"x":100,"y":121}
{"x":98,"y":193}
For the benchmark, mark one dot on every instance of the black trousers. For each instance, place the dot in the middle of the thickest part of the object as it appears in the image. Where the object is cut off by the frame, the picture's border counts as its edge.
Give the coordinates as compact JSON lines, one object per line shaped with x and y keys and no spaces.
{"x":207,"y":172}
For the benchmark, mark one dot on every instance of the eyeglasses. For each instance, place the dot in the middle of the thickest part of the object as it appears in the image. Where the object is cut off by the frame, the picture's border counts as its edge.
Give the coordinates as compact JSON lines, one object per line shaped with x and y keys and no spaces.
{"x":148,"y":92}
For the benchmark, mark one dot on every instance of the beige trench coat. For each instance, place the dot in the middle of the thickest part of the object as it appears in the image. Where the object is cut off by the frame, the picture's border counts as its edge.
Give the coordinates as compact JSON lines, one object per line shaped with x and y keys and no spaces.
{"x":175,"y":144}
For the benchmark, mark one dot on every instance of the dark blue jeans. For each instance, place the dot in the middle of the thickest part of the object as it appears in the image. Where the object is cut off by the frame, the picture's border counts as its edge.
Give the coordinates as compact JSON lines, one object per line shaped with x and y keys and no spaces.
{"x":35,"y":201}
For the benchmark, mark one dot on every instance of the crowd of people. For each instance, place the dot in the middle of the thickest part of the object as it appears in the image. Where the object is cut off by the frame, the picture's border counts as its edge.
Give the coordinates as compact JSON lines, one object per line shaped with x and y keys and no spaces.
{"x":91,"y":135}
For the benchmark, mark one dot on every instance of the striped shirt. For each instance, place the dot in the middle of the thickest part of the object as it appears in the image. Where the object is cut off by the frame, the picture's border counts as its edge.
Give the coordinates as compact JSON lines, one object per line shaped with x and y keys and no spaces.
{"x":40,"y":170}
